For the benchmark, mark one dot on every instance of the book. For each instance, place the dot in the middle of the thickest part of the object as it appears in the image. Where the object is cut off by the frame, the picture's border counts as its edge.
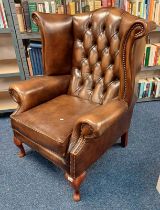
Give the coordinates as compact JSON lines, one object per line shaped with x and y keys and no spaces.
{"x":141,"y":89}
{"x":20,"y":18}
{"x":53,"y":7}
{"x":35,"y":55}
{"x":33,"y":8}
{"x":97,"y":4}
{"x":26,"y":15}
{"x":91,"y":5}
{"x":151,"y":81}
{"x":147,"y":54}
{"x":157,"y":91}
{"x":3,"y":14}
{"x":40,"y":7}
{"x":145,"y":89}
{"x":1,"y":21}
{"x":47,"y":7}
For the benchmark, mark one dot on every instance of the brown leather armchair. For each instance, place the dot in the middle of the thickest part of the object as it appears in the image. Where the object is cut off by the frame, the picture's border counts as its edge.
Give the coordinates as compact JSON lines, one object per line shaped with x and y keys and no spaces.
{"x":84,"y":101}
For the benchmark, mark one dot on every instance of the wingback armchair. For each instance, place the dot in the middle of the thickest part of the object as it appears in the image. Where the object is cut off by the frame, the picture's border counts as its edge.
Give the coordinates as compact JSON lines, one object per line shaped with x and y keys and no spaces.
{"x":84,"y":101}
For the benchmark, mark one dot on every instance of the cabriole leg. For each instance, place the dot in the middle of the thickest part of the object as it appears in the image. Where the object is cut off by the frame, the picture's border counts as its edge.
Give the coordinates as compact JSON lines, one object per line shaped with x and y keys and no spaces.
{"x":18,"y":143}
{"x":76,"y":183}
{"x":124,"y":139}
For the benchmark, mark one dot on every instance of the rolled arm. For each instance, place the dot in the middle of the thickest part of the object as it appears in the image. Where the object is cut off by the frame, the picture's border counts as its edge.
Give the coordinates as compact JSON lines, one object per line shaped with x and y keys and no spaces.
{"x":95,"y":132}
{"x":37,"y":90}
{"x":94,"y":124}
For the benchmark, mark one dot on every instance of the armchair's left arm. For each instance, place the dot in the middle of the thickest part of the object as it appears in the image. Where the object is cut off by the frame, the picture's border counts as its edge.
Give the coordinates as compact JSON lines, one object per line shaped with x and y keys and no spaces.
{"x":38,"y":90}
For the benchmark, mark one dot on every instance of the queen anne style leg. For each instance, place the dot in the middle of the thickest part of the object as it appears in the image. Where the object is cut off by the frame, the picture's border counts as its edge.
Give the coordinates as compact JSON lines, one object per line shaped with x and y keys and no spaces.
{"x":124,"y":139}
{"x":18,"y":143}
{"x":76,"y":183}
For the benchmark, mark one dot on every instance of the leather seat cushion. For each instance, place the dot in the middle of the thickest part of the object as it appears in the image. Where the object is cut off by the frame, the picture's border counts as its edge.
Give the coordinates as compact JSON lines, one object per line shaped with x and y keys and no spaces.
{"x":50,"y":124}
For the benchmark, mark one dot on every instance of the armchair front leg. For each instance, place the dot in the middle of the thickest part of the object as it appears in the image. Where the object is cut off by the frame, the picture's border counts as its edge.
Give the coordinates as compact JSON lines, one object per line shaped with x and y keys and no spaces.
{"x":76,"y":183}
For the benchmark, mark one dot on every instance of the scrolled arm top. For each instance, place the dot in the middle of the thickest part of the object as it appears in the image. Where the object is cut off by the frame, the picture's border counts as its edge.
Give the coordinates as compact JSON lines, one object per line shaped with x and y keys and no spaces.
{"x":95,"y":123}
{"x":37,"y":90}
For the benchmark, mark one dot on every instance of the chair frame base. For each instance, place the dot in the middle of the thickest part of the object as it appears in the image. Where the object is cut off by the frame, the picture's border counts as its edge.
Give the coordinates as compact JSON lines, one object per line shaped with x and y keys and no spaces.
{"x":74,"y":182}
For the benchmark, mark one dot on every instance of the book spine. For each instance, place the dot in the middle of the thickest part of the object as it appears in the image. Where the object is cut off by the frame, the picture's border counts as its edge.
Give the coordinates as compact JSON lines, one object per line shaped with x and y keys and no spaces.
{"x":20,"y":19}
{"x":26,"y":15}
{"x":157,"y":88}
{"x":4,"y":19}
{"x":29,"y":62}
{"x":32,"y":60}
{"x":37,"y":61}
{"x":104,"y":3}
{"x":141,"y":90}
{"x":91,"y":5}
{"x":46,"y":6}
{"x":109,"y":3}
{"x":53,"y":6}
{"x":40,"y":59}
{"x":33,"y":8}
{"x":147,"y":56}
{"x":2,"y":16}
{"x":150,"y":88}
{"x":1,"y":21}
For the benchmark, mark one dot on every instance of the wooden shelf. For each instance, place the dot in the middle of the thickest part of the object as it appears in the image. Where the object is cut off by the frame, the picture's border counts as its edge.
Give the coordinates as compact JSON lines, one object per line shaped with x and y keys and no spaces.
{"x":6,"y":103}
{"x":5,"y":82}
{"x":149,"y":68}
{"x":9,"y":68}
{"x":147,"y":99}
{"x":30,"y":35}
{"x":5,"y":30}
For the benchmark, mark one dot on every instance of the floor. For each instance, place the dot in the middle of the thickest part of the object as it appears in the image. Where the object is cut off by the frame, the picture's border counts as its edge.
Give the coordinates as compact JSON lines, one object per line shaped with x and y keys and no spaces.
{"x":123,"y":179}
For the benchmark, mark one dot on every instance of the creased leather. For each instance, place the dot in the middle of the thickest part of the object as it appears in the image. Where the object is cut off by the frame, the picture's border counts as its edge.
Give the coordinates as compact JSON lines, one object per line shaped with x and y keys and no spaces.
{"x":51,"y":123}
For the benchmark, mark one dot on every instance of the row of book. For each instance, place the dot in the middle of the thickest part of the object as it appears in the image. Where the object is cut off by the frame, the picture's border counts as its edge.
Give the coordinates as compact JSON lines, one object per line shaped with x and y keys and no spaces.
{"x":3,"y":18}
{"x":149,"y":88}
{"x":34,"y":58}
{"x":148,"y":9}
{"x":152,"y":55}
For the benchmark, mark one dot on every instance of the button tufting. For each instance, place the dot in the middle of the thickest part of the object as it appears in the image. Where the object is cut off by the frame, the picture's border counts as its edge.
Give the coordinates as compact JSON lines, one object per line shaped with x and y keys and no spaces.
{"x":103,"y":28}
{"x":89,"y":25}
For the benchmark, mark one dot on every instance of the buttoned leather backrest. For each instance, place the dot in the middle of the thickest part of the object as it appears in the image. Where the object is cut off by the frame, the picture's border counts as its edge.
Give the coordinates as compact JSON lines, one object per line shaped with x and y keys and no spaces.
{"x":97,"y":54}
{"x":103,"y":50}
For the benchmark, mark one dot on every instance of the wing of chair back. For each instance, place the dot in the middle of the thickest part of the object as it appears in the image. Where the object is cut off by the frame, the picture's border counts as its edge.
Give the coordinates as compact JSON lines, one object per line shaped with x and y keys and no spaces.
{"x":93,"y":133}
{"x":57,"y":39}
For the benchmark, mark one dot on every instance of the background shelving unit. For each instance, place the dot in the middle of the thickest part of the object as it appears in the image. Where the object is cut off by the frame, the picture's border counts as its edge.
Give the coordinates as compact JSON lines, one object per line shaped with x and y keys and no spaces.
{"x":10,"y":62}
{"x":151,"y":71}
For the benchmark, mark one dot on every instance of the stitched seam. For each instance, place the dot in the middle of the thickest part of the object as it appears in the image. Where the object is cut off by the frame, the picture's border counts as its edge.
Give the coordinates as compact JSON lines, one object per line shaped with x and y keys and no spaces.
{"x":124,"y":54}
{"x":36,"y":130}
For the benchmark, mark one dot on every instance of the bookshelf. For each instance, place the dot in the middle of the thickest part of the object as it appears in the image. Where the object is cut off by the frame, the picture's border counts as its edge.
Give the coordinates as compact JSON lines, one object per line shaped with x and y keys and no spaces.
{"x":24,"y":38}
{"x":5,"y":31}
{"x":30,"y":36}
{"x":10,"y":61}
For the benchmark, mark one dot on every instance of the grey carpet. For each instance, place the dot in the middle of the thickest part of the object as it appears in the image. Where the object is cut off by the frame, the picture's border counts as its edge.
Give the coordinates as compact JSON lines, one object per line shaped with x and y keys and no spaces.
{"x":123,"y":179}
